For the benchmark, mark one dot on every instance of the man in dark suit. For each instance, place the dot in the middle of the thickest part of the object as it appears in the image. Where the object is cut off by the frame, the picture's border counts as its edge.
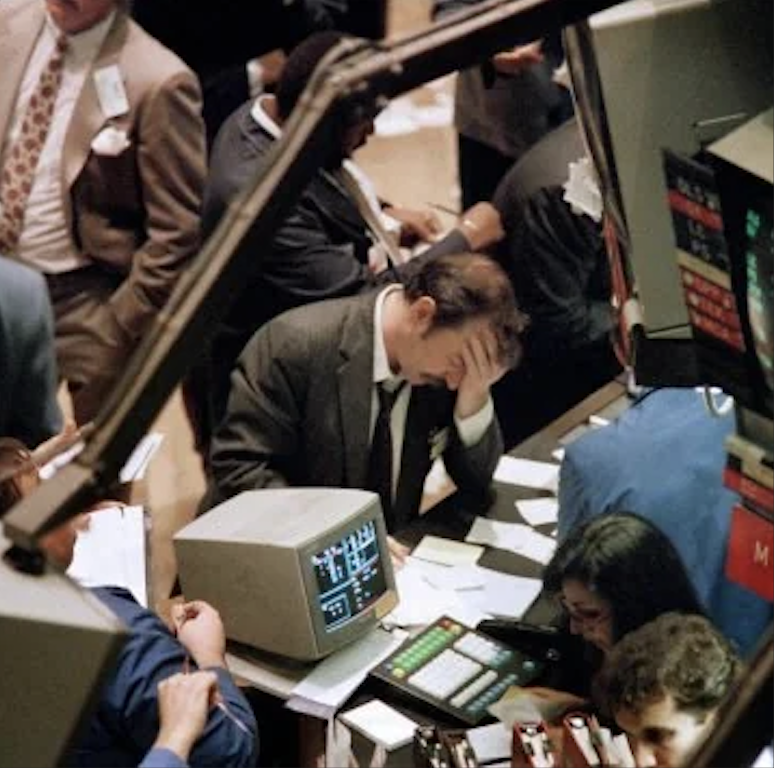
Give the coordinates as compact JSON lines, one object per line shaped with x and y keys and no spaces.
{"x":323,"y":248}
{"x":304,"y":403}
{"x":238,"y":48}
{"x":110,"y":211}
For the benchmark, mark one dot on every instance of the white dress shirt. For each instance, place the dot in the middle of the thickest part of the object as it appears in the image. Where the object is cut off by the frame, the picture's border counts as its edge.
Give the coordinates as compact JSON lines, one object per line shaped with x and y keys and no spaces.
{"x":470,"y":430}
{"x":45,"y":242}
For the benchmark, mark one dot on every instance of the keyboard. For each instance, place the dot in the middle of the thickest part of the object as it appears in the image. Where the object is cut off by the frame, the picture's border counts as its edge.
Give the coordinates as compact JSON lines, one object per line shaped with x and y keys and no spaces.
{"x":456,"y":669}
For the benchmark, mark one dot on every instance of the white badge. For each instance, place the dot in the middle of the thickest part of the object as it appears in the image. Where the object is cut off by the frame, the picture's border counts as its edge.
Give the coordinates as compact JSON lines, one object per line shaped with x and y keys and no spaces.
{"x":111,"y":92}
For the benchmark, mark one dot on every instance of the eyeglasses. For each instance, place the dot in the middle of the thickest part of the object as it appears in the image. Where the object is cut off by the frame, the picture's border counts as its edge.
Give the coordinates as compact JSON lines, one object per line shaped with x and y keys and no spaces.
{"x":586,"y":616}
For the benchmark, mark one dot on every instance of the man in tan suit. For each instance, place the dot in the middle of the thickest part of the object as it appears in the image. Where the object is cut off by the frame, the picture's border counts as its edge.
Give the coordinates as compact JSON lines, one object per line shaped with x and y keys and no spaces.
{"x":110,"y":213}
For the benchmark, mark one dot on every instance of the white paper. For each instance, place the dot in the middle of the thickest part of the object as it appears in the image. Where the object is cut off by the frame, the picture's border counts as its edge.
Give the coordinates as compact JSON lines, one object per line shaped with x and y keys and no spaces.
{"x":446,"y":551}
{"x":527,"y":473}
{"x":137,"y":463}
{"x":539,"y":511}
{"x":381,"y":724}
{"x":490,"y":742}
{"x":133,"y":469}
{"x":334,"y":680}
{"x":503,"y":595}
{"x":513,"y":537}
{"x":425,"y":596}
{"x":494,"y":533}
{"x":111,"y":552}
{"x":110,"y":91}
{"x":457,"y":578}
{"x":558,"y":454}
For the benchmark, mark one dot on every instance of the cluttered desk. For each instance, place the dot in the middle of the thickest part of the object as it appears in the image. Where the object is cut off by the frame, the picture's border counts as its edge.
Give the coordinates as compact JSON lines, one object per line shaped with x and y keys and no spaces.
{"x":430,"y":654}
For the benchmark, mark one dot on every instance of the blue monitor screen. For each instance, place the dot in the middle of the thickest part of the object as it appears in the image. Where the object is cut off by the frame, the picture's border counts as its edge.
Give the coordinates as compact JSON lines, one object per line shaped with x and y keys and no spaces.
{"x":350,"y":576}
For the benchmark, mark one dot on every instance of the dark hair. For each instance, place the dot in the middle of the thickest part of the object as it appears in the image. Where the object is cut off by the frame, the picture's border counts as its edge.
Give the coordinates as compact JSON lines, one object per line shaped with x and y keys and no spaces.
{"x":300,"y":66}
{"x":15,"y":459}
{"x":468,"y":286}
{"x":629,"y":562}
{"x":678,"y":655}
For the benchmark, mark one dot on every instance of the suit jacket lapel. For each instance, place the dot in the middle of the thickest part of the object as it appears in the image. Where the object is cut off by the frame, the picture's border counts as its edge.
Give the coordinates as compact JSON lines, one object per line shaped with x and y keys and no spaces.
{"x":18,"y":34}
{"x":88,"y":118}
{"x":355,"y":378}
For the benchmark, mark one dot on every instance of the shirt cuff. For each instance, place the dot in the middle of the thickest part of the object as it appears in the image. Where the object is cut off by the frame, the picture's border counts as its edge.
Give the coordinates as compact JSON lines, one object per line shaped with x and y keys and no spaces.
{"x":472,"y":428}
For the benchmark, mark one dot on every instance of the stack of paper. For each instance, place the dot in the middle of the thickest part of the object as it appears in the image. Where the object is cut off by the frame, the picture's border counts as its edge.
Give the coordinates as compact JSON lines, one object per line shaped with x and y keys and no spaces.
{"x":528,"y":473}
{"x":381,"y":724}
{"x":111,"y":551}
{"x":322,"y":692}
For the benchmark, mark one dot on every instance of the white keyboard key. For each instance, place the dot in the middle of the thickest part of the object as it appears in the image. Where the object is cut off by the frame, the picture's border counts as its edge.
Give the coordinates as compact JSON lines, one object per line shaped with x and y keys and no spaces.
{"x":478,"y":685}
{"x":478,"y":647}
{"x":445,"y":673}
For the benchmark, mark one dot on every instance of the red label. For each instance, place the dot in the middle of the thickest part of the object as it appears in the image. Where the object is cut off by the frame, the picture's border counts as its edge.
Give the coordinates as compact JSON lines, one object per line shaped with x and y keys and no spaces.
{"x":750,"y":557}
{"x":694,"y":210}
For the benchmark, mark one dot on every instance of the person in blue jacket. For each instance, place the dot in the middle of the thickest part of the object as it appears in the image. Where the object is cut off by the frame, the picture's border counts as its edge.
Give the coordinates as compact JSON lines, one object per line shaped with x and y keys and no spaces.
{"x":125,"y":723}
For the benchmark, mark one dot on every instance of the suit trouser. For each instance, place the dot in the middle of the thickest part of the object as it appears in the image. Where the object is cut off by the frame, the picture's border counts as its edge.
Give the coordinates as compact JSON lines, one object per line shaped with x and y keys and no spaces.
{"x":92,"y":349}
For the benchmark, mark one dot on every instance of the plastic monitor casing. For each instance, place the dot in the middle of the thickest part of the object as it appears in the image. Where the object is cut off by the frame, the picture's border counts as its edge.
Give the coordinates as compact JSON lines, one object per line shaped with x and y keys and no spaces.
{"x":251,"y":558}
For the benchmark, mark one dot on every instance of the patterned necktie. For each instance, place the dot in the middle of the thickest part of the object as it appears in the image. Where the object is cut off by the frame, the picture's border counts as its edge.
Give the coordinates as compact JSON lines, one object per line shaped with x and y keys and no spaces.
{"x":380,"y":459}
{"x":22,"y":160}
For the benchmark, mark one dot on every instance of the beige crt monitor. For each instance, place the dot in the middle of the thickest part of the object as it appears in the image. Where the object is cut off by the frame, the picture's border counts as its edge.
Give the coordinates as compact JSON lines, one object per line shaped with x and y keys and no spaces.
{"x":298,"y":572}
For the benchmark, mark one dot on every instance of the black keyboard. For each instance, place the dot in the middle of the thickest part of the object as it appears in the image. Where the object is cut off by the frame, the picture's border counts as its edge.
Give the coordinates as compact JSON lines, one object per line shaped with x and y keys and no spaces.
{"x":456,"y":669}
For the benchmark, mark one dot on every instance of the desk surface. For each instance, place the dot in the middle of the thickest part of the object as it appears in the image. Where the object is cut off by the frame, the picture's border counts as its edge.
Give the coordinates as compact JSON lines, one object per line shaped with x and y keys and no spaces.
{"x":452,"y":518}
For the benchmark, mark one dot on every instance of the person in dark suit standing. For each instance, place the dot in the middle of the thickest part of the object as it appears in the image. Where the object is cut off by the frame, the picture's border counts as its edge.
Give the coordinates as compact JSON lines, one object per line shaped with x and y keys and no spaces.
{"x":238,"y":48}
{"x":104,"y":160}
{"x":503,"y":106}
{"x":306,"y":396}
{"x":324,"y":246}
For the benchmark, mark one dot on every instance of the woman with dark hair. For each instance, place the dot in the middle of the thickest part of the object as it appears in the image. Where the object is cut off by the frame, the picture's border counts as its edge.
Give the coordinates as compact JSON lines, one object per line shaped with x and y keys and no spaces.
{"x":610,"y":576}
{"x":615,"y":574}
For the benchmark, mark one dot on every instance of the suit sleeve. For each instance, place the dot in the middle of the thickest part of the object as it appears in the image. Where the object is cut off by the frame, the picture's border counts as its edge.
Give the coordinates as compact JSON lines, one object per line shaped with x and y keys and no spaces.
{"x":259,"y":438}
{"x":171,"y":160}
{"x":307,"y":265}
{"x":129,"y":708}
{"x":36,"y":415}
{"x":472,"y":467}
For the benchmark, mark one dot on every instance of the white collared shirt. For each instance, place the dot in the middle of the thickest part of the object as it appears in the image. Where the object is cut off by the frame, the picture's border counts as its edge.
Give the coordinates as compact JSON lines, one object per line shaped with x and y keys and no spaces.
{"x":45,"y":241}
{"x":470,"y":430}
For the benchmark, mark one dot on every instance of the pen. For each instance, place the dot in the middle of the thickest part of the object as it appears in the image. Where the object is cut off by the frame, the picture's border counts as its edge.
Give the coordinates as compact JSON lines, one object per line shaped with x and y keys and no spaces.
{"x":220,"y":704}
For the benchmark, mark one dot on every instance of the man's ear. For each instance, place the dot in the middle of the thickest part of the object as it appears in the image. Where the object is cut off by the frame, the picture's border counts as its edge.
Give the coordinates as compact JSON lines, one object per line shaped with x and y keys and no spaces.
{"x":422,"y":313}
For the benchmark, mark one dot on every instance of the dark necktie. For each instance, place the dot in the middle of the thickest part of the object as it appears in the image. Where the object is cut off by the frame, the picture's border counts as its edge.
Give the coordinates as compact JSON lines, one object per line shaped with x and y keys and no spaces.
{"x":380,"y":459}
{"x":20,"y":165}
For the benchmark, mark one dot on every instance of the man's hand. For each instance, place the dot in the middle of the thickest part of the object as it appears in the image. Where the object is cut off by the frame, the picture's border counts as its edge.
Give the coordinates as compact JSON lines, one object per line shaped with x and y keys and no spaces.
{"x":184,"y":703}
{"x":416,"y":226}
{"x":199,"y":628}
{"x":482,"y":226}
{"x":398,"y":552}
{"x":519,"y":58}
{"x":480,"y":368}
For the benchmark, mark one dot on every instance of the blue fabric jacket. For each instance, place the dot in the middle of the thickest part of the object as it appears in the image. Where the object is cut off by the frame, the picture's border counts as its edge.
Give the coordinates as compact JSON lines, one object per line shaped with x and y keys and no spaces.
{"x":162,"y":758}
{"x":664,"y":459}
{"x":125,"y":723}
{"x":28,"y":378}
